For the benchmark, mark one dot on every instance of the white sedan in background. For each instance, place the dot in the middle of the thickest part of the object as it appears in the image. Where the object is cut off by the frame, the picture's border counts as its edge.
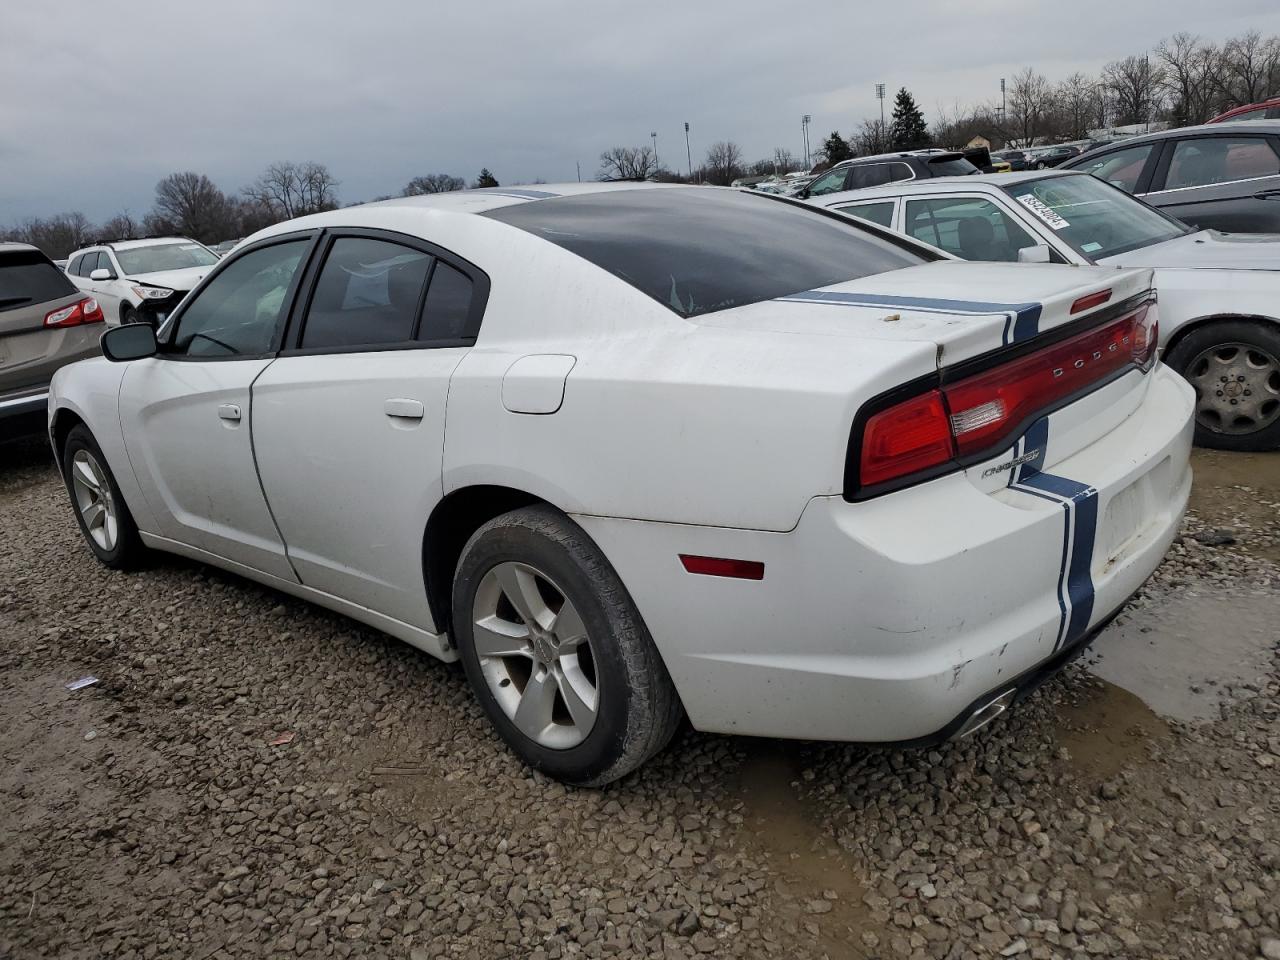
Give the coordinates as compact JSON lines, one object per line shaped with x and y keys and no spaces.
{"x":1219,"y":292}
{"x":635,"y":452}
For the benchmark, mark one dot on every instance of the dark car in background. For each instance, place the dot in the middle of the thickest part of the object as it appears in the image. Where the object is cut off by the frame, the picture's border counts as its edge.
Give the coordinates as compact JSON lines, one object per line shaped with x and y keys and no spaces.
{"x":45,"y":323}
{"x":1054,"y":156}
{"x":877,"y":170}
{"x":1221,"y":176}
{"x":1016,"y":159}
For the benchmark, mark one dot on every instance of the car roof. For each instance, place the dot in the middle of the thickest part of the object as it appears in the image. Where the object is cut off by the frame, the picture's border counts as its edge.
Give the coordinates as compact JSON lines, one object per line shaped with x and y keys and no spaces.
{"x":989,"y":184}
{"x":898,"y":155}
{"x":10,"y":246}
{"x":1216,"y":129}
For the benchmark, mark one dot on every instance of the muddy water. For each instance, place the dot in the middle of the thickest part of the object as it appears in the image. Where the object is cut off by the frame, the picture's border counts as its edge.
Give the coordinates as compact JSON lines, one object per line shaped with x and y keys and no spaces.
{"x":1181,"y":657}
{"x":1241,"y":493}
{"x":790,"y":833}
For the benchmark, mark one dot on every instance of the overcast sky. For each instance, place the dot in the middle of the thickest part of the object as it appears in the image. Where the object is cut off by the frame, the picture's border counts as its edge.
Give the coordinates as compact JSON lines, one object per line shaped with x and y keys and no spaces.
{"x":98,"y":101}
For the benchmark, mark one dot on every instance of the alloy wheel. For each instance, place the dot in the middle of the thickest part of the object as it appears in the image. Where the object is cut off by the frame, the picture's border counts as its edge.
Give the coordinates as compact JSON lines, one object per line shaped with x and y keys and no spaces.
{"x":1237,"y":388}
{"x":93,"y":499}
{"x":535,"y":655}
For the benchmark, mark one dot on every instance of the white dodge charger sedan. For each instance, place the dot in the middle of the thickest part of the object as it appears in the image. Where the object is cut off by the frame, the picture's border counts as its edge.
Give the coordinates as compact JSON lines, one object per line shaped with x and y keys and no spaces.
{"x":633,"y":453}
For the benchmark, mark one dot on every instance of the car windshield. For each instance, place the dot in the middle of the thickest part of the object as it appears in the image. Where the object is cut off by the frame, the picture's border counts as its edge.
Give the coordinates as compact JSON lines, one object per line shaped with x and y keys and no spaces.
{"x":1097,"y":219}
{"x":699,"y":250}
{"x":164,"y":256}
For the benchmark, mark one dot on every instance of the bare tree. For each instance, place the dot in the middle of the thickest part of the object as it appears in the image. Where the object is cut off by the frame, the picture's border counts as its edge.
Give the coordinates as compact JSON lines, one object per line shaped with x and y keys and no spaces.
{"x":434,"y":183}
{"x":628,"y":163}
{"x":1249,"y":65}
{"x":120,"y":227}
{"x":1029,"y":105}
{"x":782,"y":159}
{"x":872,"y":137}
{"x":57,"y":236}
{"x":1075,"y":105}
{"x":724,"y":163}
{"x":194,"y":205}
{"x":1135,"y":87}
{"x":294,"y":189}
{"x":1192,"y":77}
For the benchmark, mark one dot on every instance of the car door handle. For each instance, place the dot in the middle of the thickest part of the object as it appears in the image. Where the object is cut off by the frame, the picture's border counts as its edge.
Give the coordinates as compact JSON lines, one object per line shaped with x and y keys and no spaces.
{"x":404,"y":408}
{"x":229,"y":411}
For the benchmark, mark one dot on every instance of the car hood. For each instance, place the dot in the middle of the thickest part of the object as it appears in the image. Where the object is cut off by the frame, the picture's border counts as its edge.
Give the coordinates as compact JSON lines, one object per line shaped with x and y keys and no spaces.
{"x":1207,"y":249}
{"x":174,"y":279}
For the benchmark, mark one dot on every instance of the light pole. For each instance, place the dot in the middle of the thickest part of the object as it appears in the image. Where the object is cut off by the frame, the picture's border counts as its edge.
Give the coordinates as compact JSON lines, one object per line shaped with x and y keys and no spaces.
{"x":654,"y":135}
{"x":687,"y":152}
{"x":880,"y":97}
{"x":804,"y":132}
{"x":1003,"y":107}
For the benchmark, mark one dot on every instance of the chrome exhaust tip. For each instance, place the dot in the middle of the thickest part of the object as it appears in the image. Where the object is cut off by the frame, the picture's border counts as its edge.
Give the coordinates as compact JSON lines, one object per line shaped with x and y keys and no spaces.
{"x":986,"y":713}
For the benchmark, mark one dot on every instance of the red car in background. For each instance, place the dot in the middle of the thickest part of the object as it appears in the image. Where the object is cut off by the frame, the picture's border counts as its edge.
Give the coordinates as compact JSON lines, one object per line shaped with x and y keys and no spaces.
{"x":1266,"y":110}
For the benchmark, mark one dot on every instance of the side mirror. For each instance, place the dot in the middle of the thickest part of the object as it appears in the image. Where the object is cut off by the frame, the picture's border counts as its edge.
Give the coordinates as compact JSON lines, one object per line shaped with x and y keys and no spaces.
{"x":803,"y":194}
{"x":132,"y":341}
{"x":1039,"y":253}
{"x":101,"y":274}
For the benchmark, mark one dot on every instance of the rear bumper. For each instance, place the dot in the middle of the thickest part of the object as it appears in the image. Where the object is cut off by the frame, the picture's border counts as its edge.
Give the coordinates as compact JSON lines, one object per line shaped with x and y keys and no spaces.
{"x":885,"y":621}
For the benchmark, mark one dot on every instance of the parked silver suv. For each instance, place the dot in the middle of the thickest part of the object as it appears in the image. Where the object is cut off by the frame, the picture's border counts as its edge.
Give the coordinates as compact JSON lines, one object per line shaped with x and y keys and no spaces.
{"x":45,"y":323}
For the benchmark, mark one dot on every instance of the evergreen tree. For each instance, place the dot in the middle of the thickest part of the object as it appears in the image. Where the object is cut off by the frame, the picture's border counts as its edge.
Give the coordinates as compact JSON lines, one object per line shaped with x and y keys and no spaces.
{"x":908,"y":130}
{"x":835,"y":148}
{"x":486,"y":179}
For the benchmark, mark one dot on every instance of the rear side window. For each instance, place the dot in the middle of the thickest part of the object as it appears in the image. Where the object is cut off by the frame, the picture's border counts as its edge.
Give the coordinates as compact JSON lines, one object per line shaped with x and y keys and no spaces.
{"x":1209,"y":160}
{"x":880,"y":212}
{"x":367,"y":294}
{"x":27,"y":277}
{"x":877,"y":174}
{"x":1121,"y":168}
{"x":448,"y":305}
{"x":73,"y":267}
{"x":952,"y":167}
{"x":699,"y":250}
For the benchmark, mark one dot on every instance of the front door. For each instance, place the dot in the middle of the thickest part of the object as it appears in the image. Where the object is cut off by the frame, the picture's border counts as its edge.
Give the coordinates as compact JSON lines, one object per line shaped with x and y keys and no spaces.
{"x":349,"y":421}
{"x":1222,"y":182}
{"x":186,"y":411}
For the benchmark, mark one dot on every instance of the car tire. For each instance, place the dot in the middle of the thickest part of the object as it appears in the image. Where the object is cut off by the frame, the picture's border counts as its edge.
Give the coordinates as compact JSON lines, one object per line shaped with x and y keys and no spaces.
{"x":1247,"y":354}
{"x":613,"y":705}
{"x":130,"y":315}
{"x":103,"y":516}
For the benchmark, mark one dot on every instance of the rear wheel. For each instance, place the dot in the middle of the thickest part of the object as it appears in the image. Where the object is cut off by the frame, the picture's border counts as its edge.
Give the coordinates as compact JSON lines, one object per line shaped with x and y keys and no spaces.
{"x":103,"y":516}
{"x":1234,"y":366}
{"x":556,"y":652}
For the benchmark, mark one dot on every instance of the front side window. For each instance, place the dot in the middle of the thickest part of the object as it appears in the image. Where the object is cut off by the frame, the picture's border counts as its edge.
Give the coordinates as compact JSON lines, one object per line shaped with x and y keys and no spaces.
{"x":367,"y":294}
{"x":1208,"y":160}
{"x":165,"y":256}
{"x":971,"y":228}
{"x":880,"y":212}
{"x":830,"y":182}
{"x":238,"y":313}
{"x":699,"y":250}
{"x":1121,"y":168}
{"x":1096,"y":219}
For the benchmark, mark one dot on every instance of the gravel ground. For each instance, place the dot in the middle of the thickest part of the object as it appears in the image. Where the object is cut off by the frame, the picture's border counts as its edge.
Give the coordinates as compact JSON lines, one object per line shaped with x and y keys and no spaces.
{"x":156,"y":813}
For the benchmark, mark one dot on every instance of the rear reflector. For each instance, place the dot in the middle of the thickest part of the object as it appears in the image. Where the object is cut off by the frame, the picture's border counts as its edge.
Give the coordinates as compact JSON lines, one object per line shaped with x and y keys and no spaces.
{"x":722,"y":567}
{"x":1090,"y":301}
{"x":985,"y":412}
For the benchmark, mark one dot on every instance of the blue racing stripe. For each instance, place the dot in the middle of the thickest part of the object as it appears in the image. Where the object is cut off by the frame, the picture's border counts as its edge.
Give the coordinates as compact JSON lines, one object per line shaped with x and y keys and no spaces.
{"x":1023,"y":319}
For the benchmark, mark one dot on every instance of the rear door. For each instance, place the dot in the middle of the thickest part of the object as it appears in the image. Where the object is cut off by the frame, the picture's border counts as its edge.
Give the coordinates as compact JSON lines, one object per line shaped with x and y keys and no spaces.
{"x":348,"y":423}
{"x":1222,"y":181}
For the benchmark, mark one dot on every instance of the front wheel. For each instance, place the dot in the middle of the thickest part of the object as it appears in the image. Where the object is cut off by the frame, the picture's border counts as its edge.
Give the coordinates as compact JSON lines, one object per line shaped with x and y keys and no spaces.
{"x":130,"y":315}
{"x":101,"y":512}
{"x":556,"y":651}
{"x":1234,"y":366}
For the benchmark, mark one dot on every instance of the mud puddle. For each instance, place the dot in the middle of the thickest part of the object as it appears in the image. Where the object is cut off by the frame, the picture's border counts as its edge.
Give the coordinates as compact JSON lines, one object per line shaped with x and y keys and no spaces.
{"x":1240,"y":493}
{"x":787,"y":831}
{"x":1182,"y":657}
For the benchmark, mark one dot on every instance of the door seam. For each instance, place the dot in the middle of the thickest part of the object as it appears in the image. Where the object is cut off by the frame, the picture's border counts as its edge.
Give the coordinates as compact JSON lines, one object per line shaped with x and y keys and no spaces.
{"x":253,"y":452}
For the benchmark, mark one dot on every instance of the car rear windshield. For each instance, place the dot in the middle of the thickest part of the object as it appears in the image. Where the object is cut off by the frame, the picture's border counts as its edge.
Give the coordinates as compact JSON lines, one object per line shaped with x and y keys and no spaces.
{"x":699,"y":250}
{"x":951,"y":167}
{"x":164,"y":256}
{"x":1099,"y":220}
{"x":28,"y":276}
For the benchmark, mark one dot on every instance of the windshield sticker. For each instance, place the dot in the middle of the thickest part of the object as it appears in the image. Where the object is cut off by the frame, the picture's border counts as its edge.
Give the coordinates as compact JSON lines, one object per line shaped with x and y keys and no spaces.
{"x":1091,"y":246}
{"x":1043,"y":211}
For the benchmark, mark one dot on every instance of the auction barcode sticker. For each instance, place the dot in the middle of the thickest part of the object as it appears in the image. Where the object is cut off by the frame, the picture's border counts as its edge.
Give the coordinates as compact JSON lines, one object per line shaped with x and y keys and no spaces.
{"x":1043,"y":211}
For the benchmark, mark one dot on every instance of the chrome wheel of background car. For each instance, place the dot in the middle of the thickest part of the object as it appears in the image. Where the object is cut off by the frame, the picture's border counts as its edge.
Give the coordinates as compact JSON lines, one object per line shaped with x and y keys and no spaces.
{"x":1237,"y":387}
{"x":94,"y":500}
{"x":535,"y":655}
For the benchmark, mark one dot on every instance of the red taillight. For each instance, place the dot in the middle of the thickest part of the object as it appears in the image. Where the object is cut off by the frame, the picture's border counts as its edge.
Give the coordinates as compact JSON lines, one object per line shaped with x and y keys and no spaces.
{"x":86,"y":311}
{"x":984,"y":412}
{"x":723,"y":567}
